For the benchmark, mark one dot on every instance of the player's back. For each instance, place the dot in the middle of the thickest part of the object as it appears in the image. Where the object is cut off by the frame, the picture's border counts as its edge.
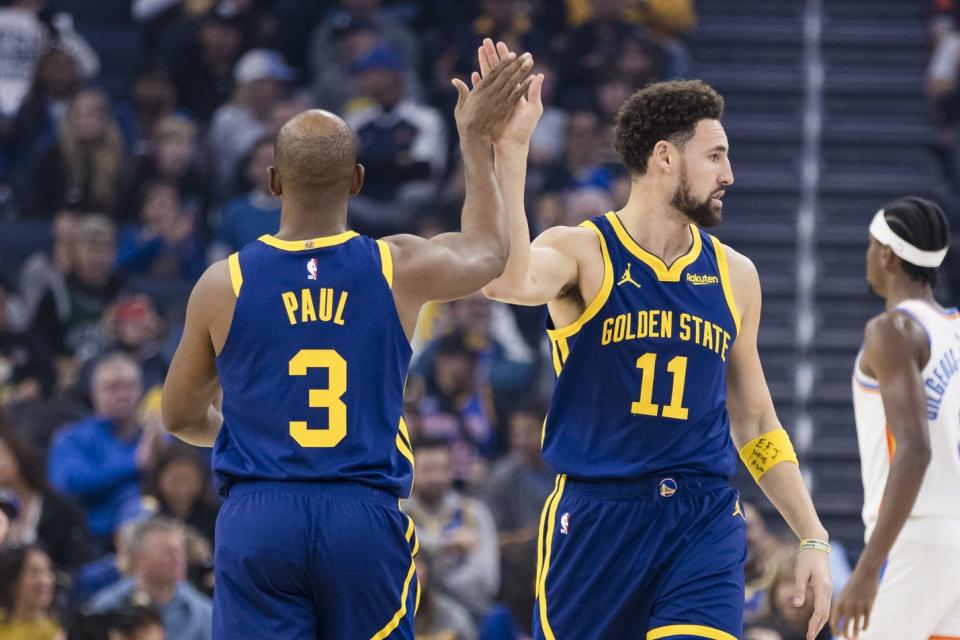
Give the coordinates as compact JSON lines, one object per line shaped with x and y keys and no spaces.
{"x":641,"y":383}
{"x":313,"y":367}
{"x":941,"y":383}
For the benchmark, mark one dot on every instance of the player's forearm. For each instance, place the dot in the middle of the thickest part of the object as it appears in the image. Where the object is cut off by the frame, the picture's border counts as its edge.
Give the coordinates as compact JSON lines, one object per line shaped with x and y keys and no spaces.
{"x":511,"y":171}
{"x":907,"y":469}
{"x":200,"y":432}
{"x":784,"y":486}
{"x":483,"y":220}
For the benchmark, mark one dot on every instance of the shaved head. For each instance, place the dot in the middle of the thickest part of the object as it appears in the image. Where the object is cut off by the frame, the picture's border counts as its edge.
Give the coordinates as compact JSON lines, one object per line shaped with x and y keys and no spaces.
{"x":316,"y":151}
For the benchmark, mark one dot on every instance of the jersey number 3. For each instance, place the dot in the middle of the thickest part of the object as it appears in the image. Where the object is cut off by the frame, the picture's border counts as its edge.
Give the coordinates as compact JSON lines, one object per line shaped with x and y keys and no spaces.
{"x":645,"y":407}
{"x":329,"y":398}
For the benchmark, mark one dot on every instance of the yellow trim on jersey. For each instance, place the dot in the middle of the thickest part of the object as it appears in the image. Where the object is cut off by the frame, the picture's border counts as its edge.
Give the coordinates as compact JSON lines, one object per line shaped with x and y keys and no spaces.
{"x":688,"y":630}
{"x":305,"y":245}
{"x":236,"y":276}
{"x":601,"y":297}
{"x":555,"y":351}
{"x":662,"y":271}
{"x":386,"y":262}
{"x":402,"y":611}
{"x":404,"y":450}
{"x":564,"y":349}
{"x":540,"y":542}
{"x":725,"y":281}
{"x":548,"y":544}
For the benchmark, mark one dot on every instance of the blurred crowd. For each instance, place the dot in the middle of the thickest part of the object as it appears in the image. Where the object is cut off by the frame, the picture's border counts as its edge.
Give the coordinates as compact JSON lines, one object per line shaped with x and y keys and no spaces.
{"x":135,"y":137}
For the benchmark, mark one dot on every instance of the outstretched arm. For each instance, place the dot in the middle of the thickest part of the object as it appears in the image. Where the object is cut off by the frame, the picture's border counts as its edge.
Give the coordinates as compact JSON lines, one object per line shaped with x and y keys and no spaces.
{"x":537,"y":274}
{"x":452,"y":265}
{"x":757,"y":432}
{"x":895,"y":351}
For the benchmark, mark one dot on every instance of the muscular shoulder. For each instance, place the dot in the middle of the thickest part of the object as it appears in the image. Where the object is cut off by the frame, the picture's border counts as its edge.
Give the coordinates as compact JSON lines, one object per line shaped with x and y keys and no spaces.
{"x":743,"y":273}
{"x":572,"y":241}
{"x":896,"y":334}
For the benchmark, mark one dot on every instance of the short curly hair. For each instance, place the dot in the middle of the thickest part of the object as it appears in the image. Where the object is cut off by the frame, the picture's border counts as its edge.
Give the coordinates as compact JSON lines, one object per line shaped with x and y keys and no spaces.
{"x":662,"y":111}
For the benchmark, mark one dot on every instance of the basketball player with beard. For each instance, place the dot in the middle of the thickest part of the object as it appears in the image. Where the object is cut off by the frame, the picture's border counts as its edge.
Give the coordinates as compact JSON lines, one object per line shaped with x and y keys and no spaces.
{"x":653,"y":324}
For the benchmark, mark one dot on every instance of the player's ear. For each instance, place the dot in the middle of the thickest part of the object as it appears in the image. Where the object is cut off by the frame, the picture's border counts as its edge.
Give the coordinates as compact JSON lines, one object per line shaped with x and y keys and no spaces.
{"x":662,"y":156}
{"x":357,"y":184}
{"x":273,"y":182}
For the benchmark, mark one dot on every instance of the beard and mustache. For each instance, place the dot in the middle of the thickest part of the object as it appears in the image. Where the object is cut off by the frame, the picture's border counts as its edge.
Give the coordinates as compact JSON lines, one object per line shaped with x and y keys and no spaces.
{"x":701,"y":213}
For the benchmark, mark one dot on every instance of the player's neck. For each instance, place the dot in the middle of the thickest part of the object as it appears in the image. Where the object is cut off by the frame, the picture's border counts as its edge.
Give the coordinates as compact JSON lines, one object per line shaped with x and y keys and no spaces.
{"x":654,"y":224}
{"x":900,"y":289}
{"x":303,"y":222}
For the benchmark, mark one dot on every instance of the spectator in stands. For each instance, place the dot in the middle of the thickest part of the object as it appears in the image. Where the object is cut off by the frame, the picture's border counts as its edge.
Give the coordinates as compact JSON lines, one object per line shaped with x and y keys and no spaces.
{"x":83,"y":168}
{"x":943,"y":86}
{"x":8,"y":511}
{"x":92,"y":285}
{"x":348,"y":34}
{"x":780,"y":615}
{"x":520,"y":482}
{"x":109,"y":569}
{"x":203,"y":70}
{"x":584,"y":163}
{"x":763,"y":550}
{"x":167,"y":244}
{"x":45,"y":516}
{"x":403,"y":146}
{"x":56,"y":79}
{"x":439,"y":616}
{"x":130,"y":622}
{"x":453,"y":404}
{"x":24,"y":36}
{"x":261,"y":79}
{"x":26,"y":365}
{"x":133,"y":326}
{"x":247,"y":217}
{"x":46,"y":273}
{"x":100,"y":460}
{"x":153,"y":98}
{"x":158,"y":565}
{"x":26,"y":595}
{"x":181,"y":485}
{"x":511,"y":616}
{"x":174,"y":157}
{"x":458,"y":532}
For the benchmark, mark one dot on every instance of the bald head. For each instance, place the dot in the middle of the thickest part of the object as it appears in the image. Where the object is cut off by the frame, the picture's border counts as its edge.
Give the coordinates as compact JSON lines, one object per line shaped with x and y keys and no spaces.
{"x":316,"y":151}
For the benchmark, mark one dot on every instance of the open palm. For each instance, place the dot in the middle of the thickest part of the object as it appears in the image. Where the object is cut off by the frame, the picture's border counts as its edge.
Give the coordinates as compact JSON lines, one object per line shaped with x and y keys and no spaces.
{"x":518,"y":129}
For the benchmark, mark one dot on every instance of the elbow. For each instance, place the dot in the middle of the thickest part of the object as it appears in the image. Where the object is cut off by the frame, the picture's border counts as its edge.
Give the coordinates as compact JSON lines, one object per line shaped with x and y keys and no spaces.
{"x":916,"y":454}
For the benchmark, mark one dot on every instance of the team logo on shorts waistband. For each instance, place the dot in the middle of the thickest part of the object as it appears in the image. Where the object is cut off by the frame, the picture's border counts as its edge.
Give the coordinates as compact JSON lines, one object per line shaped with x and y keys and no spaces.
{"x":668,"y":487}
{"x":565,"y":523}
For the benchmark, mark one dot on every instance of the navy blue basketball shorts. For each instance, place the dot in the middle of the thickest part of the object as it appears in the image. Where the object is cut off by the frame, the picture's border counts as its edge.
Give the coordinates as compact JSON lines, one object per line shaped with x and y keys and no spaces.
{"x":298,"y":561}
{"x":642,"y":559}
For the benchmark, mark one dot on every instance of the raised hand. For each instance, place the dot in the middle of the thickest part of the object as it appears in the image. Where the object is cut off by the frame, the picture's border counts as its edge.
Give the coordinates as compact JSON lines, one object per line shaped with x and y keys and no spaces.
{"x":526,"y":114}
{"x":482,"y":113}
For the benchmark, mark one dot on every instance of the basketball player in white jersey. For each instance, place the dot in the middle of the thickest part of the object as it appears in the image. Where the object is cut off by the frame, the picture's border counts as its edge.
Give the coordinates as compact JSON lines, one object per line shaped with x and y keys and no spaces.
{"x":906,"y":393}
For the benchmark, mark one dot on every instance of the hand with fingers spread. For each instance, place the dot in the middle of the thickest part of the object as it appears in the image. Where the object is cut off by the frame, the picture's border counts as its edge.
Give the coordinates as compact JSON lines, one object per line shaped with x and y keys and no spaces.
{"x":813,"y":571}
{"x":851,"y":613}
{"x":526,"y":114}
{"x":482,"y":113}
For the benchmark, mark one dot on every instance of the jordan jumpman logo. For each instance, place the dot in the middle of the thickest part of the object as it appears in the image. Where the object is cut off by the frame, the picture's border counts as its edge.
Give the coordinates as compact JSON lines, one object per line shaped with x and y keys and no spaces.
{"x":627,"y":278}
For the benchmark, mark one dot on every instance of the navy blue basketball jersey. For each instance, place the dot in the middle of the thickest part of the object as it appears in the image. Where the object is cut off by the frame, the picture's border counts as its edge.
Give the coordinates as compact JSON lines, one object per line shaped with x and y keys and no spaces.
{"x":313,"y":367}
{"x":641,"y":385}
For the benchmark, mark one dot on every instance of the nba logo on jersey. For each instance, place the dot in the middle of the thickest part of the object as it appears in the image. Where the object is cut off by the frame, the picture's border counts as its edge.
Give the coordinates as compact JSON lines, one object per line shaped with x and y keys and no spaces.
{"x":312,"y":269}
{"x":565,"y":523}
{"x":668,"y":487}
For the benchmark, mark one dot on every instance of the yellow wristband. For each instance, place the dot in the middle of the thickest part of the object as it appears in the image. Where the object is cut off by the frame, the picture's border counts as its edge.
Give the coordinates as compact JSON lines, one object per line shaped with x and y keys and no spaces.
{"x":817,"y":545}
{"x":767,"y":451}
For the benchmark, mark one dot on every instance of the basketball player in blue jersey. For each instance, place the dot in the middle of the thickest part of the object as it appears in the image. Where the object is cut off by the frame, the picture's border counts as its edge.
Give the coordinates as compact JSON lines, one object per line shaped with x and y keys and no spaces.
{"x":654,"y":333}
{"x":307,"y":334}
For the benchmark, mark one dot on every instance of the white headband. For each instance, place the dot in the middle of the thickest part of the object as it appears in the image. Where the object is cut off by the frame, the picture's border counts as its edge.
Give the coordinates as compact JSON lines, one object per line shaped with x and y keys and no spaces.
{"x":880,"y":230}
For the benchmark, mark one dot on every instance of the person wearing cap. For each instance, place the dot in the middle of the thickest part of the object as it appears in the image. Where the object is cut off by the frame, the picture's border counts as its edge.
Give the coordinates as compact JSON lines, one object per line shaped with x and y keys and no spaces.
{"x":906,"y":399}
{"x":403,"y":145}
{"x":261,"y":77}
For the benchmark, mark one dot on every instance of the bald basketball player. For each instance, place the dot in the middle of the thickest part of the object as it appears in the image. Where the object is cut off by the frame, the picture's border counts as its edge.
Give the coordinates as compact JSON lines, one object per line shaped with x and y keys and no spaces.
{"x":307,"y":334}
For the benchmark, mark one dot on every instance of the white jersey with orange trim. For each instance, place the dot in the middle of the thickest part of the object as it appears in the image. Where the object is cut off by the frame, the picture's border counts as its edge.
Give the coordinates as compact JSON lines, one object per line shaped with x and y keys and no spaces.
{"x":939,"y":496}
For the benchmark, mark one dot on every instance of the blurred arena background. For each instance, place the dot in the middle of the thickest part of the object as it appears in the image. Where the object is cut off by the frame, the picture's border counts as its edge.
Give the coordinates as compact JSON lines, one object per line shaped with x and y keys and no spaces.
{"x":135,"y":140}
